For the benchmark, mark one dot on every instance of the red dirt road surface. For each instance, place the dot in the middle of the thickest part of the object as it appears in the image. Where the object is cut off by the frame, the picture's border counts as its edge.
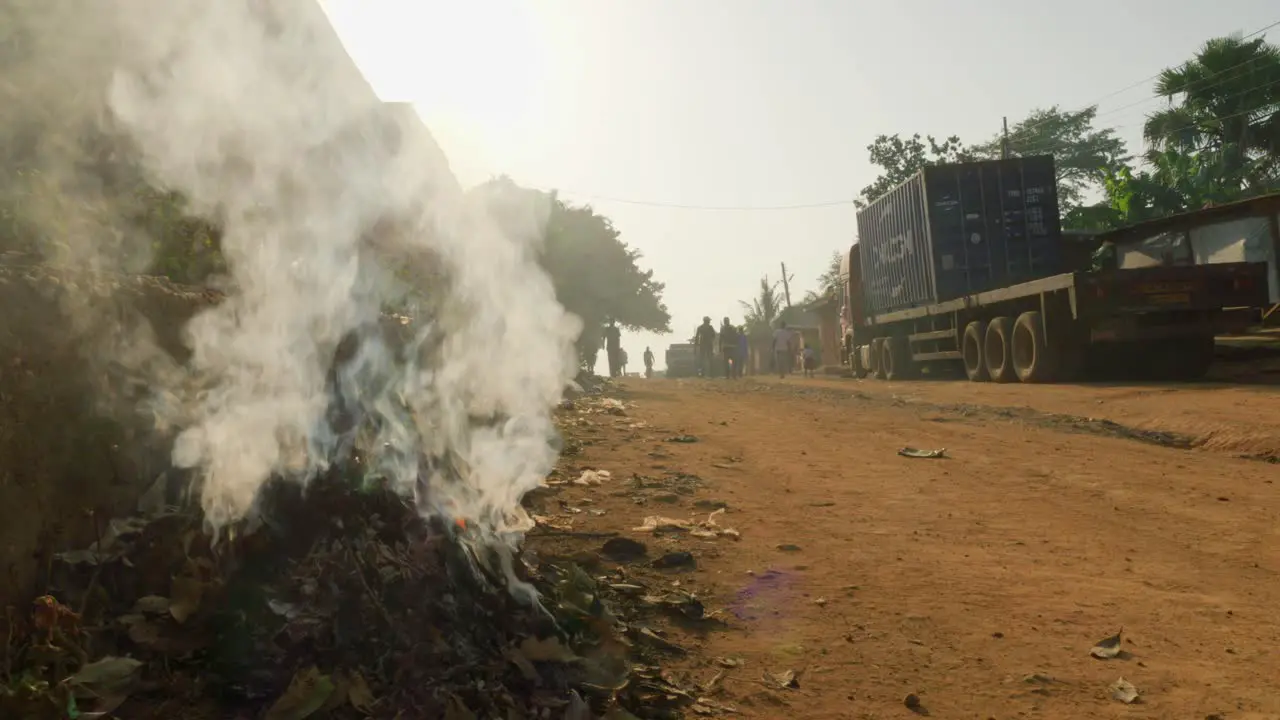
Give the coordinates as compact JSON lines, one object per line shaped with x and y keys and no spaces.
{"x":978,"y":582}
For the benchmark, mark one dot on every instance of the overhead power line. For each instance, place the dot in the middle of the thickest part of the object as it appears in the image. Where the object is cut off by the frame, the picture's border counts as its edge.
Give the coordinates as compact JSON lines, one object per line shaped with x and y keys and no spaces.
{"x":714,"y":208}
{"x":1156,"y":76}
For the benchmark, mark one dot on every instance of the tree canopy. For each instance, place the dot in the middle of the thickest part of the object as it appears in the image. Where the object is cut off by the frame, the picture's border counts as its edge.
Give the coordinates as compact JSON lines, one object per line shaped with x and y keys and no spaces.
{"x":899,"y":159}
{"x":761,"y":311}
{"x":1216,"y":140}
{"x":596,"y":275}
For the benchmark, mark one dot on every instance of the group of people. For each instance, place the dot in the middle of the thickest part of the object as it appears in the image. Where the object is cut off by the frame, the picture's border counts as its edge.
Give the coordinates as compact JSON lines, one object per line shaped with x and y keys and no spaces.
{"x":731,"y":342}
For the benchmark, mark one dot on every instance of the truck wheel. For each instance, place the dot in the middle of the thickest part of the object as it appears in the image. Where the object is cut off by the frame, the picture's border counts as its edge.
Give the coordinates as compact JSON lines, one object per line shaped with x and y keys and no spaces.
{"x":971,"y":346}
{"x":856,"y":364}
{"x":875,"y":355}
{"x":1029,"y":350}
{"x":895,"y":358}
{"x":1192,"y":357}
{"x":996,"y":350}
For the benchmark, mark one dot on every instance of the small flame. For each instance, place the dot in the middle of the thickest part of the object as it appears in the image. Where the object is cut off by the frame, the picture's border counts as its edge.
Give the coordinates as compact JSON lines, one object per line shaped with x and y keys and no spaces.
{"x":461,"y":523}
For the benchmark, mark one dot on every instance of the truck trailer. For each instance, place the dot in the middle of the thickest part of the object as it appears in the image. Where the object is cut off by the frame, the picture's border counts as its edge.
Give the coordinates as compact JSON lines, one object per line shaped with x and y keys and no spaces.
{"x":966,"y":265}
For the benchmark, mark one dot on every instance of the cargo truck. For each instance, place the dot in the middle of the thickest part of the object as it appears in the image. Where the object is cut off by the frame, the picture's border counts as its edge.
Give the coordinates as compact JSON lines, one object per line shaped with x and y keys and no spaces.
{"x":965,"y":265}
{"x":682,"y":360}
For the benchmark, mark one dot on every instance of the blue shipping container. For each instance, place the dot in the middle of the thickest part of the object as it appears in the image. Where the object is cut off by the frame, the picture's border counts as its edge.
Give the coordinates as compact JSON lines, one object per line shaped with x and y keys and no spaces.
{"x":953,"y":230}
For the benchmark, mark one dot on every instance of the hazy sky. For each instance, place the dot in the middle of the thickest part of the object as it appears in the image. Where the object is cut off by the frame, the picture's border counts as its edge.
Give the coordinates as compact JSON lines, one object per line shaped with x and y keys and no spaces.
{"x":642,"y":106}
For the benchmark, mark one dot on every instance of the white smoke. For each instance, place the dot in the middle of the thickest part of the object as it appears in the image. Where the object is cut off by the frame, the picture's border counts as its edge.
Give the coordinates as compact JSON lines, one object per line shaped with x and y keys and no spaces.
{"x":318,"y":186}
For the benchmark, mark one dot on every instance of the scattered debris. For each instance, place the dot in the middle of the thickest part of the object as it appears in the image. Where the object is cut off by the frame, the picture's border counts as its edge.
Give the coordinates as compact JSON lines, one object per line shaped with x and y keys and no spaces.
{"x":911,"y":452}
{"x":679,"y":560}
{"x":658,"y":524}
{"x":590,"y":478}
{"x":788,"y":547}
{"x":1107,"y":648}
{"x":1124,"y":691}
{"x":682,"y":439}
{"x":731,"y":662}
{"x":624,"y":549}
{"x":710,"y":505}
{"x":912,"y":703}
{"x":786,"y":680}
{"x":342,"y":597}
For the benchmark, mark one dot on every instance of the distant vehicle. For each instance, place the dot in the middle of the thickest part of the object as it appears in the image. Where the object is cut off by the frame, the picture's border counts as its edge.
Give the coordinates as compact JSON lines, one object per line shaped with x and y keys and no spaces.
{"x":966,"y":264}
{"x":682,"y":360}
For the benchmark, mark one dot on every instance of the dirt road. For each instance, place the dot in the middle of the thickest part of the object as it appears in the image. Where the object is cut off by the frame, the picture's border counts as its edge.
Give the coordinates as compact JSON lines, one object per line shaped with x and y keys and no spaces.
{"x":978,"y":582}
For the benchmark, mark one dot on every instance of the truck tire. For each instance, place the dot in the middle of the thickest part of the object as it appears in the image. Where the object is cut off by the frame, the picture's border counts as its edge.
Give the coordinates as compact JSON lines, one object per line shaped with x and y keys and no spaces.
{"x":1033,"y":362}
{"x":876,"y":358}
{"x":895,"y":358}
{"x":856,"y":364}
{"x":997,"y":350}
{"x":971,"y":350}
{"x":1189,"y":359}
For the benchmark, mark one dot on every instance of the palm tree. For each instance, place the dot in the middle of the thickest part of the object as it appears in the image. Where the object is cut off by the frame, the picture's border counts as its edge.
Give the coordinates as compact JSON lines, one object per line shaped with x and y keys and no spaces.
{"x":828,"y":281}
{"x":1225,"y":103}
{"x":763,"y":309}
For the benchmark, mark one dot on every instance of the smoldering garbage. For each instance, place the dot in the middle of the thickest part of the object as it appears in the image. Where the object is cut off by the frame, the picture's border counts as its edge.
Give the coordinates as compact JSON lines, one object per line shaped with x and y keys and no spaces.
{"x":342,"y":602}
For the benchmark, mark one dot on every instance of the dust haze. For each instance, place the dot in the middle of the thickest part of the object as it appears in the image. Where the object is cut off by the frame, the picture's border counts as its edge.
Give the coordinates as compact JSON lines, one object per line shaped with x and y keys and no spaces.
{"x":333,"y":206}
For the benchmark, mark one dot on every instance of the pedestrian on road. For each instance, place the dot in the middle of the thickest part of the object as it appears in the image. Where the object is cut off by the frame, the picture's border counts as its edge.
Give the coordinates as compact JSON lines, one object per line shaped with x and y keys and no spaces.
{"x":741,"y":365}
{"x":728,"y":348}
{"x":648,"y":363}
{"x":613,"y":347}
{"x":622,"y":360}
{"x":809,"y":360}
{"x":704,"y":342}
{"x":784,"y":353}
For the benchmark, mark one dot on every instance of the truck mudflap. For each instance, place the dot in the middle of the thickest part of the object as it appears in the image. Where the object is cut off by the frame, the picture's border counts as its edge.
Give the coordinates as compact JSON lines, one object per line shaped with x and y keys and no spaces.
{"x":1173,"y":289}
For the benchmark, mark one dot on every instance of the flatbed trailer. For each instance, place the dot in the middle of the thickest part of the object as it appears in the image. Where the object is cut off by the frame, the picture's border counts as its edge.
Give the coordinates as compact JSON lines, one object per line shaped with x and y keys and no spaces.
{"x":1159,"y":321}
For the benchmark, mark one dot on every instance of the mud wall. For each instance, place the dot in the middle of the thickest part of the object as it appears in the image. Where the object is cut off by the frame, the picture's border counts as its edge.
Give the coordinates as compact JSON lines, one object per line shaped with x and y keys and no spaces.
{"x":69,"y":450}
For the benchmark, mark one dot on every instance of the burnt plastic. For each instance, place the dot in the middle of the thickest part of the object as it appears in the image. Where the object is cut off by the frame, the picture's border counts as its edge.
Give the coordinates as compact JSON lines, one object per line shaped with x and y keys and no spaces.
{"x":954,"y":230}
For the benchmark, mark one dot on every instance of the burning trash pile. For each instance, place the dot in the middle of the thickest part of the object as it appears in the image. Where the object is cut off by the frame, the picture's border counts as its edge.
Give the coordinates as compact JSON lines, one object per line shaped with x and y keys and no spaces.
{"x":341,"y":603}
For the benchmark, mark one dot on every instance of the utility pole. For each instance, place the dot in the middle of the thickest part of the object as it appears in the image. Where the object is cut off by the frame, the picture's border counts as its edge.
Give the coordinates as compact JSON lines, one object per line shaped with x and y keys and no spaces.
{"x":786,"y":285}
{"x":1004,"y":139}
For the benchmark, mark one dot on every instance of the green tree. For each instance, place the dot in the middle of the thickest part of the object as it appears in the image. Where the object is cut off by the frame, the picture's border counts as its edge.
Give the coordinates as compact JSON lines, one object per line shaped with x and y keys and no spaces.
{"x":828,"y":281}
{"x":1082,"y":154}
{"x":1224,"y":104}
{"x":596,"y":275}
{"x":899,"y":159}
{"x":760,"y":312}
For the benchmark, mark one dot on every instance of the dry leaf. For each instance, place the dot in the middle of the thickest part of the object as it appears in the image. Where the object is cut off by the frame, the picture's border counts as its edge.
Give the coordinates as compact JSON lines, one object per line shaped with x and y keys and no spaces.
{"x":548,"y":649}
{"x":1107,"y":648}
{"x":305,"y":695}
{"x":359,"y":694}
{"x":458,"y":710}
{"x":1124,"y":691}
{"x":108,"y":677}
{"x":152,"y":605}
{"x":185,"y":595}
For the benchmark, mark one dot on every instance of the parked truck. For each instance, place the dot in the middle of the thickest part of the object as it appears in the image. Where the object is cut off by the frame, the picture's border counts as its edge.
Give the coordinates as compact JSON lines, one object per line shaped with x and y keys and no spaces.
{"x":966,"y":265}
{"x":682,"y":360}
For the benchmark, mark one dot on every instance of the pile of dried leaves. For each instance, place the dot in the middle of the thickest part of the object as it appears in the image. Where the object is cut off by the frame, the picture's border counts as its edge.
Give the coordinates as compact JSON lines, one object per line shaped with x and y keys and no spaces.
{"x":341,"y":603}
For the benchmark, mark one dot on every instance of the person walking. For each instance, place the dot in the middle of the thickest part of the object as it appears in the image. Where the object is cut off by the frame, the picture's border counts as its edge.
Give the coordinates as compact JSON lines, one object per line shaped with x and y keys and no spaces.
{"x":622,"y":360}
{"x":648,"y":362}
{"x":728,"y":348}
{"x":743,"y":350}
{"x":809,"y":360}
{"x":704,"y":341}
{"x":783,"y":349}
{"x":613,"y":347}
